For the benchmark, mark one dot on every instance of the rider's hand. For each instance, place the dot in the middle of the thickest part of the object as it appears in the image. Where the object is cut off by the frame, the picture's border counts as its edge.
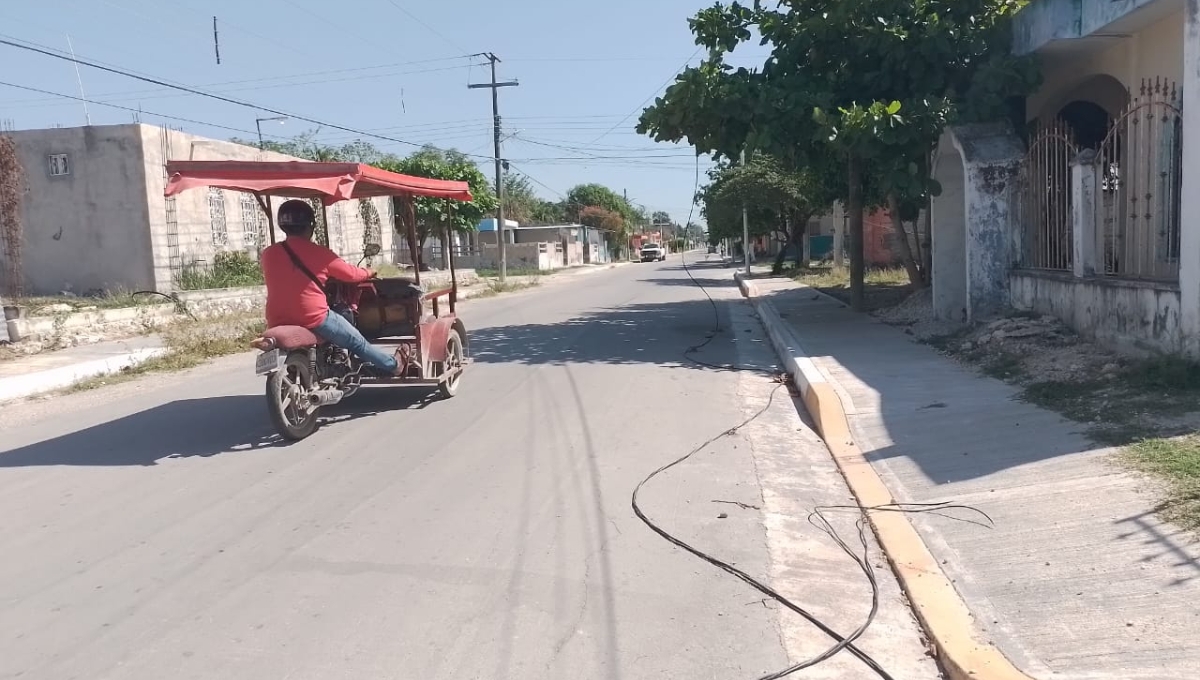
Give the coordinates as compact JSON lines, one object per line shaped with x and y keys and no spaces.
{"x":371,"y":273}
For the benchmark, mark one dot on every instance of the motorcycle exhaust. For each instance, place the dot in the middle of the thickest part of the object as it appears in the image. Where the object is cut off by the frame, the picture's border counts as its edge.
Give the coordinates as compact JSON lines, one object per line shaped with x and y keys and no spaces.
{"x":319,"y":398}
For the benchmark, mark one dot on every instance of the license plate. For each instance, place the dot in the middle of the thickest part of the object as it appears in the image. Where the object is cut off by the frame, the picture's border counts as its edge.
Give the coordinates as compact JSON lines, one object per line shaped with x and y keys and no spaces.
{"x":268,"y":362}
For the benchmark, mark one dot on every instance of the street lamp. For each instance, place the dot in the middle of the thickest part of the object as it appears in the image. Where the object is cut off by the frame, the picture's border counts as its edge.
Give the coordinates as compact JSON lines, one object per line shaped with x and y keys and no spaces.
{"x":258,"y":126}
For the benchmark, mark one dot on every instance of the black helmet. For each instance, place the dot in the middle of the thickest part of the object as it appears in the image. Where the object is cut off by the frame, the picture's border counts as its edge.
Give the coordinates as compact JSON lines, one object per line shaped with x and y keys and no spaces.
{"x":296,"y":217}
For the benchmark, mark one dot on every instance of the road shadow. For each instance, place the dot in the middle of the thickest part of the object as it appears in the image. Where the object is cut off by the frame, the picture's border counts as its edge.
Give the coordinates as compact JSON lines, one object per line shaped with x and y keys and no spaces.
{"x":195,"y":428}
{"x":648,"y":333}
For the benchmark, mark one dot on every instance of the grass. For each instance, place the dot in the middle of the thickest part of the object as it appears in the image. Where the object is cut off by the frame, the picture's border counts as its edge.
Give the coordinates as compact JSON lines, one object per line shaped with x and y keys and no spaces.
{"x":1177,"y":461}
{"x":494,"y":288}
{"x":189,"y":344}
{"x":512,"y":271}
{"x":230,"y":269}
{"x":883,"y":286}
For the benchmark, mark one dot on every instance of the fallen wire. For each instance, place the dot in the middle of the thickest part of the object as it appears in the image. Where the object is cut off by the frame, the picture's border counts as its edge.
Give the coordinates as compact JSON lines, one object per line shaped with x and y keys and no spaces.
{"x":817,"y":518}
{"x":841,"y":642}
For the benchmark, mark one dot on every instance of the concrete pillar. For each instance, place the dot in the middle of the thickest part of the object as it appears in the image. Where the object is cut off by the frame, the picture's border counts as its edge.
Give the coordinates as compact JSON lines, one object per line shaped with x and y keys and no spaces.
{"x":974,"y":247}
{"x":805,"y":249}
{"x":1189,"y":237}
{"x":4,"y":335}
{"x":949,"y":235}
{"x":1085,"y":234}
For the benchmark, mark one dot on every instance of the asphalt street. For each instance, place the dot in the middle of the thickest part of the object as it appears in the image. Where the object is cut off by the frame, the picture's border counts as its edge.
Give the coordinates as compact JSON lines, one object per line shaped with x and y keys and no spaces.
{"x":158,"y":529}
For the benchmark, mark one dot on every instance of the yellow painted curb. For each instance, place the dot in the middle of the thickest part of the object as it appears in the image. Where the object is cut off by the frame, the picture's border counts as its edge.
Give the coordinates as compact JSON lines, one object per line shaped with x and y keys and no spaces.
{"x":942,"y":613}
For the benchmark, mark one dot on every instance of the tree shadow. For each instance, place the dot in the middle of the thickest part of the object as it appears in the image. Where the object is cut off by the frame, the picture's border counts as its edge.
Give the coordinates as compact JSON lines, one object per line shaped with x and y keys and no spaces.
{"x":648,"y":333}
{"x":194,"y":428}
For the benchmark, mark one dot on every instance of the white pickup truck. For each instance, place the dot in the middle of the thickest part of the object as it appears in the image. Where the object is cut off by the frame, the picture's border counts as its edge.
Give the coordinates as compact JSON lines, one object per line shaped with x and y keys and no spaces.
{"x":652,"y":252}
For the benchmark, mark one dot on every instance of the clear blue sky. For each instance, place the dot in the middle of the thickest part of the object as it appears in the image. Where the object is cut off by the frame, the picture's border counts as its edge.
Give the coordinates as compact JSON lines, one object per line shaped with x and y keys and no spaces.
{"x":585,"y":71}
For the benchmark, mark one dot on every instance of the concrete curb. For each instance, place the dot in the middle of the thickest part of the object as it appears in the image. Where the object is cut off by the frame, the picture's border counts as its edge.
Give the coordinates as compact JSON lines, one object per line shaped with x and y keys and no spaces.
{"x":942,"y":613}
{"x":32,"y":384}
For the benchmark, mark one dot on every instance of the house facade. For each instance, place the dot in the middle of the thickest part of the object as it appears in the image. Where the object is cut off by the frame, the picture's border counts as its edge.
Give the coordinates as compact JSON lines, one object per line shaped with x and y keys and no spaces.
{"x":1084,"y":214}
{"x":95,"y":217}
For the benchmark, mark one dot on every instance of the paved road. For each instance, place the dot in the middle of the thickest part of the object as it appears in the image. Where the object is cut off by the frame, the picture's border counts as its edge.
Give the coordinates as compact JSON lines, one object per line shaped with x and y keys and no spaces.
{"x":158,"y":530}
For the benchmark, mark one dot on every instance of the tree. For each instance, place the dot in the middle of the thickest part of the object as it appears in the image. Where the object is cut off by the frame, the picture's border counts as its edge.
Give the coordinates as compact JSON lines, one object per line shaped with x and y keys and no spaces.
{"x":431,"y":215}
{"x":882,"y":78}
{"x":523,"y":205}
{"x":779,"y":201}
{"x":598,"y":218}
{"x":584,"y":196}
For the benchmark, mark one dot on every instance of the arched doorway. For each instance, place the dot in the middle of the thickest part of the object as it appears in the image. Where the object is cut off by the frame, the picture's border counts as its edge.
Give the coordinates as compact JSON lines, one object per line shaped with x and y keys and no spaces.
{"x":1088,"y":122}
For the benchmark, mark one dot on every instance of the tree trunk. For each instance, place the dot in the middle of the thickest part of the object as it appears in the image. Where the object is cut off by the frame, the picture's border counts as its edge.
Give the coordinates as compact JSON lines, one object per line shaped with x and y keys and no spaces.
{"x":927,"y":232}
{"x":857,"y":254}
{"x":906,"y":253}
{"x":781,"y":256}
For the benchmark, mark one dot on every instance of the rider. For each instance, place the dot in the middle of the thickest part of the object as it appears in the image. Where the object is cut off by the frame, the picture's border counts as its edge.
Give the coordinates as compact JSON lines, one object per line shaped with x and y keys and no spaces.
{"x":295,"y":299}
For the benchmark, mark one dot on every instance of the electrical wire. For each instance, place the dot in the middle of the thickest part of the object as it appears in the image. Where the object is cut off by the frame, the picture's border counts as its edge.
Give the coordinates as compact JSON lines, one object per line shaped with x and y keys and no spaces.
{"x":142,"y":112}
{"x":647,"y":100}
{"x":842,"y":642}
{"x":210,"y":95}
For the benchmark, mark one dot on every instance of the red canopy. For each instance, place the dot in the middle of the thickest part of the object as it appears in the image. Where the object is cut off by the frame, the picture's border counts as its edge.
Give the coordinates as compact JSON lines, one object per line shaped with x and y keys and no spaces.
{"x":331,"y":182}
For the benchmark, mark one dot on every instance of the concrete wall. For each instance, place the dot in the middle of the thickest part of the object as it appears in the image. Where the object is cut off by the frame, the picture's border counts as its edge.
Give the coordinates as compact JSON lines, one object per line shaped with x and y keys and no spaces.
{"x":1134,"y":317}
{"x":194,"y":230}
{"x":85,"y":230}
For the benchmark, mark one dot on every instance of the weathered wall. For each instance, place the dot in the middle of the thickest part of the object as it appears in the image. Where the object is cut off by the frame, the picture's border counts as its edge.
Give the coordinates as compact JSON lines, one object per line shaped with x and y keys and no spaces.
{"x":85,"y":230}
{"x":1129,"y":316}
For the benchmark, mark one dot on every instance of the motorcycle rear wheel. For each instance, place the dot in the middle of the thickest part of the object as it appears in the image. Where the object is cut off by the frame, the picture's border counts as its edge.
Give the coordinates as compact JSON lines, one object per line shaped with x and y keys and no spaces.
{"x":287,"y":391}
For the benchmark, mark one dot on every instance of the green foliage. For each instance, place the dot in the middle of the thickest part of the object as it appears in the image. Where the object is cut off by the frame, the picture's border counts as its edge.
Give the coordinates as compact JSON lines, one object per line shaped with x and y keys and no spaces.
{"x":230,"y":269}
{"x":773,"y":194}
{"x":523,"y":205}
{"x":432,"y":213}
{"x":882,"y":79}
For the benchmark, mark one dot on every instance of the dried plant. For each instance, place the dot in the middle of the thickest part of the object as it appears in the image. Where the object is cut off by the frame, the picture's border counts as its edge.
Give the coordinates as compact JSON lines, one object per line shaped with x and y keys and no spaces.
{"x":12,"y":191}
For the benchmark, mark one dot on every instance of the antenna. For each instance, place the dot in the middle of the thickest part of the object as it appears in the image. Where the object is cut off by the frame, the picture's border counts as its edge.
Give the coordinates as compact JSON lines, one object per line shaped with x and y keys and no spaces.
{"x":79,"y":78}
{"x":216,"y":41}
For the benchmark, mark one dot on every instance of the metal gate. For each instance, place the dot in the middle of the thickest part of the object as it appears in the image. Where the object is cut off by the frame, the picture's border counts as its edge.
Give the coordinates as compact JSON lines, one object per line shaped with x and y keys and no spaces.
{"x":1046,"y":198}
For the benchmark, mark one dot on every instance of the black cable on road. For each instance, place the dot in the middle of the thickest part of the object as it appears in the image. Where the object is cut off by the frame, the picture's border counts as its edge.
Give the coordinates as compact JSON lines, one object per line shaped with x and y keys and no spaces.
{"x":842,"y":642}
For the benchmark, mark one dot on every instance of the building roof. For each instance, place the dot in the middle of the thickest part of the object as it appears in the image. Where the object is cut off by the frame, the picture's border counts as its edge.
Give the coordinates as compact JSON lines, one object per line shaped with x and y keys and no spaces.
{"x":1065,"y":25}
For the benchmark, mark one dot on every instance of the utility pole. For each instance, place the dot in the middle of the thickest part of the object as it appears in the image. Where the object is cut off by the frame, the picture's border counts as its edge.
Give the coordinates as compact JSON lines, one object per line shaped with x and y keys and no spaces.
{"x":495,"y":88}
{"x":745,"y":228}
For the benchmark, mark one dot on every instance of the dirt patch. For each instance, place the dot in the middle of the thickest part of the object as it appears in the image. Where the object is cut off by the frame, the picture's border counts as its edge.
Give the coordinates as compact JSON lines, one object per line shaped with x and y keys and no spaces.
{"x":884,"y":288}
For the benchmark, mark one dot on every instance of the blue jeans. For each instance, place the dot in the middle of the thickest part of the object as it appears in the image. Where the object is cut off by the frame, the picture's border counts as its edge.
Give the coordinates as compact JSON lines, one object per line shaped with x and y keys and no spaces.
{"x":339,"y":332}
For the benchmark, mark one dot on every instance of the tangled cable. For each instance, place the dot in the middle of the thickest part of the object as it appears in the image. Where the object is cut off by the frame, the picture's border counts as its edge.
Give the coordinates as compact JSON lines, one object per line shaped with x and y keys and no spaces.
{"x":817,"y":518}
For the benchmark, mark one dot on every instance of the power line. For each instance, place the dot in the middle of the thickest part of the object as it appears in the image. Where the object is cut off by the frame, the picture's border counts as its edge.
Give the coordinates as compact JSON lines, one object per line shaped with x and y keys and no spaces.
{"x":267,"y":79}
{"x":652,"y":96}
{"x":210,"y":95}
{"x":130,"y":109}
{"x":429,"y":28}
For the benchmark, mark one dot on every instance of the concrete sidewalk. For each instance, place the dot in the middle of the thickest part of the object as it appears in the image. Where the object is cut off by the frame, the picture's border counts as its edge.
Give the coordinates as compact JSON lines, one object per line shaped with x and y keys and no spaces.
{"x":1078,"y":579}
{"x":49,"y":371}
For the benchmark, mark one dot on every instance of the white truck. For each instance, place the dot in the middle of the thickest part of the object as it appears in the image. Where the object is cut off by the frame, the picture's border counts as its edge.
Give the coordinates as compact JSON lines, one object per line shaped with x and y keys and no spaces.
{"x":652,"y":252}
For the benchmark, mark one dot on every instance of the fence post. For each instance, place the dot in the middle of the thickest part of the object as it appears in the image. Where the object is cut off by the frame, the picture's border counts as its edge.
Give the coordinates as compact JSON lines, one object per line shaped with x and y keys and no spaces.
{"x":1084,"y":228}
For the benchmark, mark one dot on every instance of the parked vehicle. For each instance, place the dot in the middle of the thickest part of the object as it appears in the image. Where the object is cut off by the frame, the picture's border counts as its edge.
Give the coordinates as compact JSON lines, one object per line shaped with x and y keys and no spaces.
{"x":652,"y":252}
{"x":305,"y":374}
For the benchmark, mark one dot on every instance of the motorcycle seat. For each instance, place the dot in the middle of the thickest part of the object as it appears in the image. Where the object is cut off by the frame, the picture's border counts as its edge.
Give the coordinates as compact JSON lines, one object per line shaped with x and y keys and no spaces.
{"x":291,"y":337}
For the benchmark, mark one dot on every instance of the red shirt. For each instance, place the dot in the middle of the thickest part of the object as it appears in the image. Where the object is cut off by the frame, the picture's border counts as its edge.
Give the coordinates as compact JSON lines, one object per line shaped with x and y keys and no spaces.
{"x":292,"y":298}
